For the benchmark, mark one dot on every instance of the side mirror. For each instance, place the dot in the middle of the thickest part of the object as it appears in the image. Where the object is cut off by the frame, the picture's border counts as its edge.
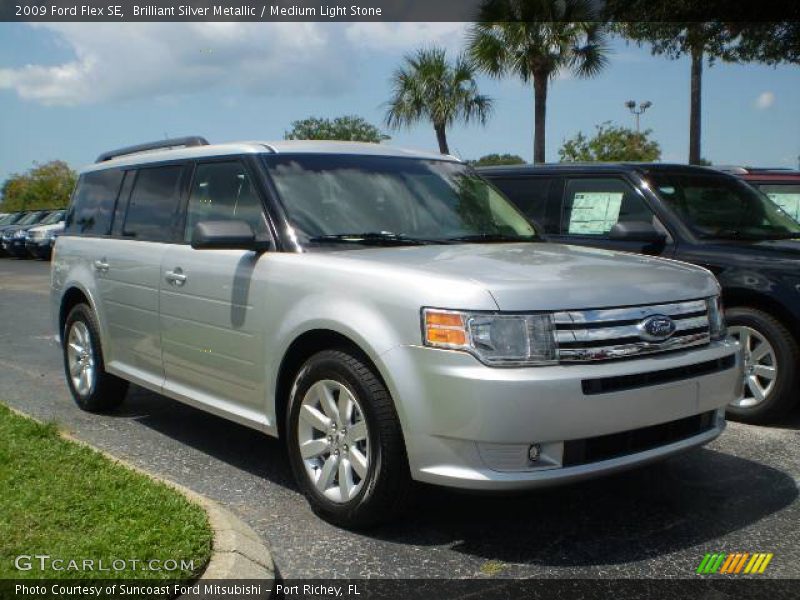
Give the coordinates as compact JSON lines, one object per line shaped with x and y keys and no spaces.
{"x":224,"y":235}
{"x":637,"y":231}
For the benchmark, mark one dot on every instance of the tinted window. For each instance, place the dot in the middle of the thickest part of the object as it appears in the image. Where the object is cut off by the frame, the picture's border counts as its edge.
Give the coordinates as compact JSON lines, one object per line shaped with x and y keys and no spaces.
{"x":222,"y":192}
{"x":530,"y":194}
{"x":594,"y":206}
{"x":92,"y":207}
{"x":721,"y":206}
{"x":153,"y":206}
{"x":787,"y":196}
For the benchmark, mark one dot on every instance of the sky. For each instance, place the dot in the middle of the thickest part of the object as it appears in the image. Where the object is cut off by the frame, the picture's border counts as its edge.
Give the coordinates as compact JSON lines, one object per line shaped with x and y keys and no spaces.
{"x":73,"y":90}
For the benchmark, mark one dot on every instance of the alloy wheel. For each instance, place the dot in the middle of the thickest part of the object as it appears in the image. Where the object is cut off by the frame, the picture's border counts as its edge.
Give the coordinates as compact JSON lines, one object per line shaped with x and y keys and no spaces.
{"x":760,"y":366}
{"x":80,"y":358}
{"x":333,"y":440}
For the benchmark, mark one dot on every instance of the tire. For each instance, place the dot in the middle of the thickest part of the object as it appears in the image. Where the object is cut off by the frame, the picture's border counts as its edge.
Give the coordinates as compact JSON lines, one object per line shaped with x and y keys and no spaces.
{"x":372,"y":493}
{"x":783,"y":388}
{"x":99,"y":392}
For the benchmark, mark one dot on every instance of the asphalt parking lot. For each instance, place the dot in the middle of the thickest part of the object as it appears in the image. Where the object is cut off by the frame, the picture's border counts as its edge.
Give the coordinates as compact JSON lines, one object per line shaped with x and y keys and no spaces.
{"x":739,"y":494}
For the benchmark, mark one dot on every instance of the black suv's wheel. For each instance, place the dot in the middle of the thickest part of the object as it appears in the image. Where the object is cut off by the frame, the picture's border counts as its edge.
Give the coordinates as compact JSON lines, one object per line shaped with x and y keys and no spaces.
{"x":92,"y":388}
{"x":771,"y":361}
{"x":345,"y":443}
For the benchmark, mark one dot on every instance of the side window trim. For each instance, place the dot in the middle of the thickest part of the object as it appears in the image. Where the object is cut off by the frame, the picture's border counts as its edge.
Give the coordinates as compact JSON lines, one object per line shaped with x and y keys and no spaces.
{"x":186,"y":199}
{"x":121,"y":204}
{"x":182,"y":193}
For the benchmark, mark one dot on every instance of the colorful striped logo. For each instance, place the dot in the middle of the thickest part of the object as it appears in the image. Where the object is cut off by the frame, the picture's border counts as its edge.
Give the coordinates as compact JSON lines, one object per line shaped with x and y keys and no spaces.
{"x":743,"y":563}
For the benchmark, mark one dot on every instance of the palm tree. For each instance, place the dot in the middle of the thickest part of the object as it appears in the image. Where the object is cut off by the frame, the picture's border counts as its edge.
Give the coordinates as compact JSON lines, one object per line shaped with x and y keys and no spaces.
{"x":427,"y":86}
{"x":536,"y":40}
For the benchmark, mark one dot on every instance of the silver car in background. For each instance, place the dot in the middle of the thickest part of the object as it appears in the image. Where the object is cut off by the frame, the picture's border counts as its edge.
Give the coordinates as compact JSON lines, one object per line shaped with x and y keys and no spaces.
{"x":388,"y":313}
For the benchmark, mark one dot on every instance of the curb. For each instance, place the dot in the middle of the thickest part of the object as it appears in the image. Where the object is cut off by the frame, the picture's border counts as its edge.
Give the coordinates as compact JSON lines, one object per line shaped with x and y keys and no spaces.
{"x":237,"y":551}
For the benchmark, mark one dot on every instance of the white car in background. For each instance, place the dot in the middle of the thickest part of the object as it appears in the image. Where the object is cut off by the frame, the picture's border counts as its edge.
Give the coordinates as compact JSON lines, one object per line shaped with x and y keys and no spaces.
{"x":39,"y":240}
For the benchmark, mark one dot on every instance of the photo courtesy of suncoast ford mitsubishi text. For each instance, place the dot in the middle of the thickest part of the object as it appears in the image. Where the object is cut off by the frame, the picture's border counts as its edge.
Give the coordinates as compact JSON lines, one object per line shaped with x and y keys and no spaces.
{"x":387,"y":313}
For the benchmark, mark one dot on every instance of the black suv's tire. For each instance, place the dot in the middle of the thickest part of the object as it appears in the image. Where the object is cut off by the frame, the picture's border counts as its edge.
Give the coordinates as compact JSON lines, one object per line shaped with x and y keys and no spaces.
{"x":784,"y":391}
{"x":382,"y":487}
{"x":92,"y":388}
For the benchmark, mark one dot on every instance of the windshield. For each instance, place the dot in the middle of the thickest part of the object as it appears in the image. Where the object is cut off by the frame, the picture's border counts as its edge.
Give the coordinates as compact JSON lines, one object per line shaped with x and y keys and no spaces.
{"x":30,"y":218}
{"x":370,"y":199}
{"x":785,"y":195}
{"x":12,"y":218}
{"x":723,"y":207}
{"x":53,"y":217}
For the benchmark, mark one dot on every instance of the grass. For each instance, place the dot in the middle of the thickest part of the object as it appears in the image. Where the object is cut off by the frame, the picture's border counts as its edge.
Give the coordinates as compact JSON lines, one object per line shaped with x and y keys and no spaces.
{"x":65,"y":500}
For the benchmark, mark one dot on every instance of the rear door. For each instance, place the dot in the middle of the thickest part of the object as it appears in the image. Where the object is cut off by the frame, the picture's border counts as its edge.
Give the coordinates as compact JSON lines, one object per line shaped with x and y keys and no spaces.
{"x":591,"y":205}
{"x":128,"y":268}
{"x":212,"y":301}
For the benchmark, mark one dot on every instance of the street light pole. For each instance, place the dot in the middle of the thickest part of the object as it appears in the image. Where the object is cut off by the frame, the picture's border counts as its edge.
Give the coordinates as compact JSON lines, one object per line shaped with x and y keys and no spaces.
{"x":631,"y":104}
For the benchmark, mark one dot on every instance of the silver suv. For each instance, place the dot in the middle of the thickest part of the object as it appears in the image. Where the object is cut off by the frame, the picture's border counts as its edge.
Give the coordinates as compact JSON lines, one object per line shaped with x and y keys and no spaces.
{"x":388,"y":313}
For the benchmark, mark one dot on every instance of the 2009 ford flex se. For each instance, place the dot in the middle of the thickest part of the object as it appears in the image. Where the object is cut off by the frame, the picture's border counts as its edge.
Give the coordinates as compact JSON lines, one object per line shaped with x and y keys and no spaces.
{"x":388,"y":313}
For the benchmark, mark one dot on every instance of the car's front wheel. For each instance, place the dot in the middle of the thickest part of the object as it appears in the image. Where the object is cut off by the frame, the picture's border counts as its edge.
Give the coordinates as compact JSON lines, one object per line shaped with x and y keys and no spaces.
{"x":771,"y":362}
{"x":345,"y":443}
{"x":92,"y":388}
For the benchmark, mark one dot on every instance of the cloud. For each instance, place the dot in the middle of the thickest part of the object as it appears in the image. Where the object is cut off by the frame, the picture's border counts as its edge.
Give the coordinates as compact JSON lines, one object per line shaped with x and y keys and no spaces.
{"x":765,"y":100}
{"x":406,"y":36}
{"x":117,"y":62}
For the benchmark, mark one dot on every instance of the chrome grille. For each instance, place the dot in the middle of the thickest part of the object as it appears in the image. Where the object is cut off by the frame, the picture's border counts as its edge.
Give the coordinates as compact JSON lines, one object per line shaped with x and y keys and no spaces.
{"x":606,"y":334}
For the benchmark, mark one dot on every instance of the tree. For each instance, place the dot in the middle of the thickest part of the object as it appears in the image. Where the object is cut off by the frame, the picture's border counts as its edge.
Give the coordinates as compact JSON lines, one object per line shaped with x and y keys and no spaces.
{"x":677,"y":28}
{"x":348,"y":128}
{"x":47,"y":185}
{"x":611,"y":143}
{"x":536,"y":40}
{"x":427,"y":86}
{"x":497,"y":159}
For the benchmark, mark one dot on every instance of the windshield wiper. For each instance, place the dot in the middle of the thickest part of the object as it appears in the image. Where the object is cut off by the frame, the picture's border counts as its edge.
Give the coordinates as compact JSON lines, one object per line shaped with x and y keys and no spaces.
{"x":377,"y":238}
{"x":492,"y":238}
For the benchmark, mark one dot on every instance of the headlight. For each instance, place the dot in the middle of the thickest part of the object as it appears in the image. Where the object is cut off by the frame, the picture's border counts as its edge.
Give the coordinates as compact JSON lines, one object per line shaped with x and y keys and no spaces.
{"x":716,"y":318}
{"x":496,"y":340}
{"x":19,"y":234}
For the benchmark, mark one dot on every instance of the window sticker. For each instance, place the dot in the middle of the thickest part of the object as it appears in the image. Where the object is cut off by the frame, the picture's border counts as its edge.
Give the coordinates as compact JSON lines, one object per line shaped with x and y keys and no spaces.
{"x":790,"y":203}
{"x":594,"y":213}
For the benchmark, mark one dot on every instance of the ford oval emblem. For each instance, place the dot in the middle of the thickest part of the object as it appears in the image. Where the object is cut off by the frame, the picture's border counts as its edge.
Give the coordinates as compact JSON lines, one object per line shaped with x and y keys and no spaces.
{"x":656,"y":328}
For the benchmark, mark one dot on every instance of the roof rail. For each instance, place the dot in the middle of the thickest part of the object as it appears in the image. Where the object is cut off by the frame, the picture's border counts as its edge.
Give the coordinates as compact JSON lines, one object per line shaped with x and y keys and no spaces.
{"x":192,"y":140}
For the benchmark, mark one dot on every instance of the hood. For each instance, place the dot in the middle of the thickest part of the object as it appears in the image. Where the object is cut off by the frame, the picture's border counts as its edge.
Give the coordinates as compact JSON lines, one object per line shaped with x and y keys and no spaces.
{"x":47,"y":228}
{"x":543,"y":276}
{"x":787,"y":248}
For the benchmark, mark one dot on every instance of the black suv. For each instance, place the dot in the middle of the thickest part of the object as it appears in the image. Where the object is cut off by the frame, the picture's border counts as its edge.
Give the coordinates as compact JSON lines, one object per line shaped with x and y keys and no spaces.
{"x":697,"y":215}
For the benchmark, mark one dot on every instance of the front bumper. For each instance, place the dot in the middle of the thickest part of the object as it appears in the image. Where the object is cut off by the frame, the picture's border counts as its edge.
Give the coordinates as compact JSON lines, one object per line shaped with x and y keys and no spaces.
{"x":471,"y":426}
{"x":15,"y":247}
{"x":40,"y":248}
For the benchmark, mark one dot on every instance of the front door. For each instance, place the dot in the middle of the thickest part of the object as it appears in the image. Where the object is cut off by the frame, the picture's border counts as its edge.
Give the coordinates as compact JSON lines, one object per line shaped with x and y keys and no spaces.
{"x":591,"y":206}
{"x":211,"y":301}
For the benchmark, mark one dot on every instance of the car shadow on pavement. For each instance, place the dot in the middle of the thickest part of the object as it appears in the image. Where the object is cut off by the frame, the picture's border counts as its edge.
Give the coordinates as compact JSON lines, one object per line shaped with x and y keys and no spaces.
{"x":685,"y":501}
{"x":654,"y":510}
{"x":229,"y":442}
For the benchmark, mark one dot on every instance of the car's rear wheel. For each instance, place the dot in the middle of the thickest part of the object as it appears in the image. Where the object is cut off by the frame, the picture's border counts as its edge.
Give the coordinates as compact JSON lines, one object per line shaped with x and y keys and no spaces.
{"x":345,"y":443}
{"x":771,"y":361}
{"x":92,"y":388}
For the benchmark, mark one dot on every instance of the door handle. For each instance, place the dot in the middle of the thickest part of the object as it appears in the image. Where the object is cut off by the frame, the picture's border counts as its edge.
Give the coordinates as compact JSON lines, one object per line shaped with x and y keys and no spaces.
{"x":101,"y":265}
{"x":175,"y":277}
